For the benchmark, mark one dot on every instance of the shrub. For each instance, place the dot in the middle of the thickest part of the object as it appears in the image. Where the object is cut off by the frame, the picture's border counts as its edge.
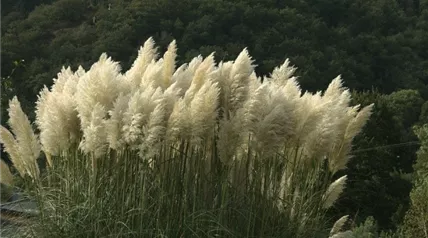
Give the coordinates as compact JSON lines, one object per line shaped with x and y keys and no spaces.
{"x":416,"y":220}
{"x":202,"y":150}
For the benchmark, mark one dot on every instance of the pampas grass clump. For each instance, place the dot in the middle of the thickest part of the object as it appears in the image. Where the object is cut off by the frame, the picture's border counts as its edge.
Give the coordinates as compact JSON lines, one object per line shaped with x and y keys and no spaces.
{"x":199,"y":150}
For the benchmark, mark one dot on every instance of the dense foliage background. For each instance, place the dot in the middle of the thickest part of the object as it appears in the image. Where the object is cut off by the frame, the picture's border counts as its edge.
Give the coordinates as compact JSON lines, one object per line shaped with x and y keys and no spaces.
{"x":378,"y":46}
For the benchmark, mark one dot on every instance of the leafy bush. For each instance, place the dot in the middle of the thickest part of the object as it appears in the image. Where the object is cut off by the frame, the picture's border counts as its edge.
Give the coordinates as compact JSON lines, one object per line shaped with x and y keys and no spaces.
{"x":416,"y":219}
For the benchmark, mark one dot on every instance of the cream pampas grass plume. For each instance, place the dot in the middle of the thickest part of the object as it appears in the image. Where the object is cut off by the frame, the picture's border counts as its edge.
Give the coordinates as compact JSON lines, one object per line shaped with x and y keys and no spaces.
{"x":270,"y":117}
{"x":169,"y":64}
{"x":356,"y":124}
{"x":310,"y":109}
{"x":6,"y":176}
{"x":141,"y":104}
{"x":146,"y":55}
{"x":179,"y":122}
{"x":153,"y":132}
{"x":221,"y":76}
{"x":11,"y":147}
{"x":231,"y":137}
{"x":203,"y":111}
{"x":100,"y":85}
{"x":114,"y":124}
{"x":333,"y":191}
{"x":181,"y":80}
{"x":338,"y":225}
{"x":56,"y":114}
{"x":23,"y":146}
{"x":153,"y":75}
{"x":284,"y":73}
{"x":239,"y":78}
{"x":202,"y":73}
{"x":94,"y":135}
{"x":96,"y":93}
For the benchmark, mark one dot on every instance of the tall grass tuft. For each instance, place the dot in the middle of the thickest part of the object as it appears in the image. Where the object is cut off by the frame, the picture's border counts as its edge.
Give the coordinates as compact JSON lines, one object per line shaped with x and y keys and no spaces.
{"x":202,"y":150}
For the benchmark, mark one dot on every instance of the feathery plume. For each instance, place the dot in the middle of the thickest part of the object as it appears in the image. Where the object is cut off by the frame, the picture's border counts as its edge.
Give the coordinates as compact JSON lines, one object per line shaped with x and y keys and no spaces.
{"x":182,"y":78}
{"x":6,"y":176}
{"x":56,"y":114}
{"x":153,"y":75}
{"x":194,"y":64}
{"x":333,"y":191}
{"x":291,"y":89}
{"x":221,"y":76}
{"x":358,"y":122}
{"x":240,"y":75}
{"x":351,"y":123}
{"x":170,"y":97}
{"x":179,"y":122}
{"x":100,"y":85}
{"x":140,"y":105}
{"x":70,"y":85}
{"x":94,"y":135}
{"x":41,"y":105}
{"x":27,"y":142}
{"x":338,"y":225}
{"x":62,"y":78}
{"x":169,"y":64}
{"x":200,"y":76}
{"x":203,"y":110}
{"x":310,"y":109}
{"x":280,"y":75}
{"x":334,"y":88}
{"x":230,"y":137}
{"x":154,"y":131}
{"x":319,"y":141}
{"x":146,"y":54}
{"x":270,"y":117}
{"x":59,"y":126}
{"x":114,"y":124}
{"x":11,"y":147}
